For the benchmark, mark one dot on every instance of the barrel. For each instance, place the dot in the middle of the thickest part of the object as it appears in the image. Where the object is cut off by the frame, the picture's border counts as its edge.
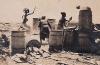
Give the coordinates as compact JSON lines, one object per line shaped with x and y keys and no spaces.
{"x":85,"y":19}
{"x":35,"y":25}
{"x":55,"y":40}
{"x":52,"y":22}
{"x":84,"y":42}
{"x":70,"y":39}
{"x":18,"y":41}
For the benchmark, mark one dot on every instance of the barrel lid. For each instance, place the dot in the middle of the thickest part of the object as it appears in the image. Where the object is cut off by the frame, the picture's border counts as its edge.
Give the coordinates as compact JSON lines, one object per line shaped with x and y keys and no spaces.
{"x":18,"y":33}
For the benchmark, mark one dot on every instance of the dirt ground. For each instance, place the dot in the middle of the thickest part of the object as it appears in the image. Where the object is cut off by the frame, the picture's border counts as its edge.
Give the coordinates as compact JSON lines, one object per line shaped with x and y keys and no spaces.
{"x":66,"y":58}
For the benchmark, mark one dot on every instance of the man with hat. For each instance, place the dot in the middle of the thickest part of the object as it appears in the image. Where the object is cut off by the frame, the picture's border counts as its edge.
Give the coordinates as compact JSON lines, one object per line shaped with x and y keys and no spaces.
{"x":62,"y":21}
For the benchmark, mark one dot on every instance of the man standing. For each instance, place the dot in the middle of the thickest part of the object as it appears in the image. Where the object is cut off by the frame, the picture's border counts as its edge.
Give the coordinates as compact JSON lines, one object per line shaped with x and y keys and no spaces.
{"x":62,"y":21}
{"x":44,"y":28}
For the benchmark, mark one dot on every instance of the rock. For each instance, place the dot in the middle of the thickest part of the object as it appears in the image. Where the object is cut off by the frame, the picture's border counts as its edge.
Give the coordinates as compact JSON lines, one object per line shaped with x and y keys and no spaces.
{"x":19,"y":58}
{"x":39,"y":64}
{"x":37,"y":56}
{"x":35,"y":49}
{"x":30,"y":60}
{"x":98,"y":62}
{"x":37,"y":53}
{"x":63,"y":52}
{"x":45,"y":55}
{"x":16,"y":59}
{"x":21,"y":55}
{"x":88,"y":58}
{"x":3,"y":61}
{"x":97,"y":40}
{"x":59,"y":63}
{"x":32,"y":54}
{"x":93,"y":61}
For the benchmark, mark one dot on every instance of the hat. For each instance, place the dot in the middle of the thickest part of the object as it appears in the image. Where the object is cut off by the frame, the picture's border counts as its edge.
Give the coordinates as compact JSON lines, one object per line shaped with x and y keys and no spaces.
{"x":26,"y":10}
{"x":63,"y":13}
{"x":43,"y":17}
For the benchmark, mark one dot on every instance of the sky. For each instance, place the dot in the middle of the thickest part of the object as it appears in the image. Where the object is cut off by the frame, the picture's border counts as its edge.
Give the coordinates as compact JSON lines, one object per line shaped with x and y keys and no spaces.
{"x":12,"y":10}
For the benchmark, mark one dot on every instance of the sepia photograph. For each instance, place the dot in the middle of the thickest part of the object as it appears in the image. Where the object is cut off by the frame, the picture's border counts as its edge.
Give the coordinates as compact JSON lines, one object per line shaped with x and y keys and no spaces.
{"x":49,"y":32}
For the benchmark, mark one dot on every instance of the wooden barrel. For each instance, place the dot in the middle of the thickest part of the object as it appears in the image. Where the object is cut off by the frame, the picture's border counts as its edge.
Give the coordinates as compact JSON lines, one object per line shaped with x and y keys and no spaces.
{"x":55,"y":40}
{"x":70,"y":39}
{"x":84,"y":42}
{"x":85,"y":19}
{"x":52,"y":22}
{"x":18,"y":41}
{"x":35,"y":25}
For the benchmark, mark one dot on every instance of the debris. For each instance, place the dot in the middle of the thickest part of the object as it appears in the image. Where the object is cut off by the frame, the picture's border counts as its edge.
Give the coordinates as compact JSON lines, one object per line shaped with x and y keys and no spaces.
{"x":59,"y":63}
{"x":93,"y":61}
{"x":30,"y":59}
{"x":98,"y":62}
{"x":3,"y":61}
{"x":19,"y":58}
{"x":46,"y":55}
{"x":39,"y":64}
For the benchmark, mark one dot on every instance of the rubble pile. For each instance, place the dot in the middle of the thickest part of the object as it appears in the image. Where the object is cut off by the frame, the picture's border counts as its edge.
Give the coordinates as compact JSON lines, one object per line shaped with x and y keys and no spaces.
{"x":3,"y":60}
{"x":5,"y":26}
{"x":30,"y":55}
{"x":43,"y":57}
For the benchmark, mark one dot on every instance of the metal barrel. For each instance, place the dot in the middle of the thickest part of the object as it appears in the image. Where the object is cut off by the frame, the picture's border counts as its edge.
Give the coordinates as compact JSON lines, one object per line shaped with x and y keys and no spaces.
{"x":55,"y":40}
{"x":18,"y":41}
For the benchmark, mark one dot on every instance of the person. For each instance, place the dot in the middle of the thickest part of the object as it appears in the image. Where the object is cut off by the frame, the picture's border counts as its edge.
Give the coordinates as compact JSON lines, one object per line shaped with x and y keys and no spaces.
{"x":24,"y":17}
{"x":5,"y":40}
{"x":44,"y":28}
{"x":26,"y":13}
{"x":62,"y":21}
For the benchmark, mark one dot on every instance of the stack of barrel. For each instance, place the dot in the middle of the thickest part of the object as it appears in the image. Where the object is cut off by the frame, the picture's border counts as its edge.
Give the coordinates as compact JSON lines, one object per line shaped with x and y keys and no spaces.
{"x":85,"y":30}
{"x":80,"y":40}
{"x":55,"y":37}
